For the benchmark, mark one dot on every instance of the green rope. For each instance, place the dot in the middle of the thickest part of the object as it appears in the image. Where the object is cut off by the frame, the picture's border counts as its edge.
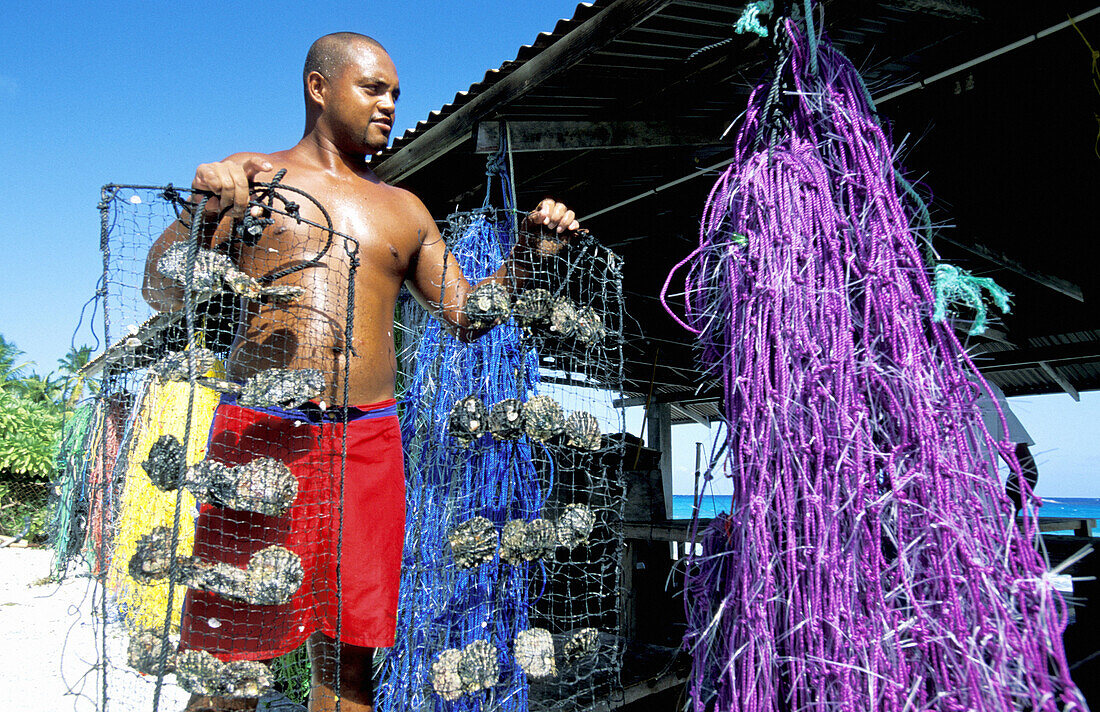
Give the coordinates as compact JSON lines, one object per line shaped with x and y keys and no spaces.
{"x":953,"y":284}
{"x":750,"y":18}
{"x":72,"y":464}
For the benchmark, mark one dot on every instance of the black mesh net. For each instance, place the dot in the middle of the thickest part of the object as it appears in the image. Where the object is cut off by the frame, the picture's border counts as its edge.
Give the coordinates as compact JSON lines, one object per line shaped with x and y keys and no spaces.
{"x":232,"y":491}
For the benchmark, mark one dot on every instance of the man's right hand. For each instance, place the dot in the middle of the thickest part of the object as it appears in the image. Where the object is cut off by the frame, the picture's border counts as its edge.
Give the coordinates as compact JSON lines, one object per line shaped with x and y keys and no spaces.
{"x":230,"y":182}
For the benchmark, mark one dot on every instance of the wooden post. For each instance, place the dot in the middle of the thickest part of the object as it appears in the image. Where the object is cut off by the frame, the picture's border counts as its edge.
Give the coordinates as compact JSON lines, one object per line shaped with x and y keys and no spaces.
{"x":659,"y":433}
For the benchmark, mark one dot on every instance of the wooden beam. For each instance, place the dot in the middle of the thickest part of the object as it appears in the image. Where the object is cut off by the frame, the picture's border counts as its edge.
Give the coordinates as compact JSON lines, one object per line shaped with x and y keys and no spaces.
{"x":678,"y":397}
{"x":1061,"y":380}
{"x":1031,"y":357}
{"x":529,"y":136}
{"x":591,"y":36}
{"x":690,"y":414}
{"x":1058,"y":284}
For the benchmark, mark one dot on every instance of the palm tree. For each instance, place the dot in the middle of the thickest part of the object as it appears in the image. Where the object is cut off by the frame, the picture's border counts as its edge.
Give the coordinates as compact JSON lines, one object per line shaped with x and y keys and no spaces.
{"x":10,"y":373}
{"x":69,"y":367}
{"x":37,"y":388}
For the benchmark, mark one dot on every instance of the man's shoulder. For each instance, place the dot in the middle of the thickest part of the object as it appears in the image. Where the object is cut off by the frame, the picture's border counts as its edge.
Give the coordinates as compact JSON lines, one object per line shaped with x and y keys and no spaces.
{"x":242,"y":156}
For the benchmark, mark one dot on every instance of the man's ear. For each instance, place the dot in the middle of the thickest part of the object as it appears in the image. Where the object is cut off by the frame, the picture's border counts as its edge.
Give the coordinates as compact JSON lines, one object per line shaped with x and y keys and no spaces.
{"x":316,"y":88}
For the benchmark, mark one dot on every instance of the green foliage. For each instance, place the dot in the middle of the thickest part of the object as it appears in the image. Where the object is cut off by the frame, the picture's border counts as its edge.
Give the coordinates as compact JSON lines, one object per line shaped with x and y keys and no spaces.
{"x":29,"y":431}
{"x":32,"y":407}
{"x":293,"y":675}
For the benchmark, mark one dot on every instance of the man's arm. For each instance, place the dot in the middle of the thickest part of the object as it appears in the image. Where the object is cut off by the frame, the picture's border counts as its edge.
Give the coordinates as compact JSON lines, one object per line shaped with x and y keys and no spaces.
{"x":437,"y":281}
{"x":230,"y":181}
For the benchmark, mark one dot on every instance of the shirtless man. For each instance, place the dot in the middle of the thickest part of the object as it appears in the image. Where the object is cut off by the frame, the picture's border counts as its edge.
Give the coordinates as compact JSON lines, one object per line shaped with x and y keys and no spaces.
{"x":351,"y":88}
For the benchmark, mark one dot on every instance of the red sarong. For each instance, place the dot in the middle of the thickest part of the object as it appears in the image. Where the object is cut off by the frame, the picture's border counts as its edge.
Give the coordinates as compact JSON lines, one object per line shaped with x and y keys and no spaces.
{"x":373,"y":532}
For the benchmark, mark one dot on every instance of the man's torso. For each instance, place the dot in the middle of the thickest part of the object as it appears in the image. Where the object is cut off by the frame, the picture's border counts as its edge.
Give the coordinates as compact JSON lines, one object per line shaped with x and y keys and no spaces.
{"x":310,"y":332}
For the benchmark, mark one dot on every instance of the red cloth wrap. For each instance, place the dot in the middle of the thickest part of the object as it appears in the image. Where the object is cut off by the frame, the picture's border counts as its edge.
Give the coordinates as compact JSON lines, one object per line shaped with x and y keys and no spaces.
{"x":373,"y":534}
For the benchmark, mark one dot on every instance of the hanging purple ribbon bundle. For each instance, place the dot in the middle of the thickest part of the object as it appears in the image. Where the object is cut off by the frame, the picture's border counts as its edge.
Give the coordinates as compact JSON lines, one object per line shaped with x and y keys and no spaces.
{"x":871,"y":560}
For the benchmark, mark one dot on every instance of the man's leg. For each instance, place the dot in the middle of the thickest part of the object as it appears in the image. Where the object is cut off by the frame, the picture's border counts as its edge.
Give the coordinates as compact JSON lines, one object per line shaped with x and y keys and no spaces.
{"x":356,"y":676}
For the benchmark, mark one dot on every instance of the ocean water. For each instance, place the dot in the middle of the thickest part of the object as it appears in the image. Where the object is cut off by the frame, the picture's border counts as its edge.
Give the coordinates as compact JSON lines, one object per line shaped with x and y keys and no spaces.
{"x":1080,"y":507}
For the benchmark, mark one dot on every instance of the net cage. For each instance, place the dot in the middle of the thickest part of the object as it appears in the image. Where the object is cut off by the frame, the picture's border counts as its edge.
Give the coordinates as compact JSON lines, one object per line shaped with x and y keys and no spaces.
{"x":210,"y":501}
{"x":509,"y":594}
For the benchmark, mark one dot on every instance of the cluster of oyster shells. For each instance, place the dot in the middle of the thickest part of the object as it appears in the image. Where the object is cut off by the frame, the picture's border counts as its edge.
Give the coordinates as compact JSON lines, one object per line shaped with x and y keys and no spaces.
{"x":264,"y":485}
{"x":197,"y":671}
{"x":215,"y":272}
{"x":476,"y":541}
{"x":273,"y":387}
{"x":272,"y":577}
{"x":523,"y":540}
{"x":456,"y":672}
{"x":541,"y":418}
{"x":537,"y":651}
{"x":535,"y":309}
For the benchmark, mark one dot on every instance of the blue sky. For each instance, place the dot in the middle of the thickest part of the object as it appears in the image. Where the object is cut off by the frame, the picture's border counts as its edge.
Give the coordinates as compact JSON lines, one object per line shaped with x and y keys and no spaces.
{"x":141,"y":92}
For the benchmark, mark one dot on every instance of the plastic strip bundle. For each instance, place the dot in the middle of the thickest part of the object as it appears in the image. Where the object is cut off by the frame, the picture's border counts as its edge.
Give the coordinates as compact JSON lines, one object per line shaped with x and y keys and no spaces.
{"x":508,"y":597}
{"x":871,"y":560}
{"x":257,"y":449}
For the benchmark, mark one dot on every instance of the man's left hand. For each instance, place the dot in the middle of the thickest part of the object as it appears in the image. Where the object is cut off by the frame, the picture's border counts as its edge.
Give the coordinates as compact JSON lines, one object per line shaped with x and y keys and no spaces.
{"x":548,"y":227}
{"x":552,"y":216}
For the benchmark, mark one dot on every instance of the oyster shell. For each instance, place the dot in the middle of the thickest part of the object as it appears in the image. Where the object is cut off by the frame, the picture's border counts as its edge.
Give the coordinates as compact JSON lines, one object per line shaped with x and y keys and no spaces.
{"x":200,"y":673}
{"x":152,"y":557}
{"x":532,"y":308}
{"x":478,"y":667}
{"x":487,"y":304}
{"x":563,"y":316}
{"x":581,"y":644}
{"x":145,"y":649}
{"x":543,"y":418}
{"x":445,"y":680}
{"x":467,"y":421}
{"x":273,"y":576}
{"x":583,"y":431}
{"x":473,"y":542}
{"x":282,"y":293}
{"x":283,"y":387}
{"x":534,"y":651}
{"x":589,"y":328}
{"x":574,"y":525}
{"x":165,"y":463}
{"x":264,"y":485}
{"x":506,"y":419}
{"x":526,"y":541}
{"x":173,"y":367}
{"x":209,"y":272}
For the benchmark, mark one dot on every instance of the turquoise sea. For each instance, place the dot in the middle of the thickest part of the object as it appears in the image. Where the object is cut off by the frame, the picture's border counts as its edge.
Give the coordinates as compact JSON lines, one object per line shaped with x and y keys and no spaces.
{"x":1080,"y":507}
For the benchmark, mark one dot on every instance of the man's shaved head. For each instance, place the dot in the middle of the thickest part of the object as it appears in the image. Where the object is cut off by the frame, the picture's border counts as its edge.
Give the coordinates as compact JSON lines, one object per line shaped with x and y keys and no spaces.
{"x":328,"y":54}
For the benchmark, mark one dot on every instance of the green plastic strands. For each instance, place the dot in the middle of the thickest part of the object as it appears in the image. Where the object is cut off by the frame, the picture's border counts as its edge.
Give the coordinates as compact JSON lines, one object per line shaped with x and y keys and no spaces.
{"x":957,"y":285}
{"x":750,"y":18}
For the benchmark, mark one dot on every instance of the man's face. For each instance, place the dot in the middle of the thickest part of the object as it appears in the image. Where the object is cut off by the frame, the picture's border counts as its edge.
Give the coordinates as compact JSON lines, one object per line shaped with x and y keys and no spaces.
{"x":363,"y":98}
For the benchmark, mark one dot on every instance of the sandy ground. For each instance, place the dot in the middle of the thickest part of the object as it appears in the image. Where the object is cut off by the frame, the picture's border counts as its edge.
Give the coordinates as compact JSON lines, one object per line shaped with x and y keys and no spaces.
{"x":49,"y":646}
